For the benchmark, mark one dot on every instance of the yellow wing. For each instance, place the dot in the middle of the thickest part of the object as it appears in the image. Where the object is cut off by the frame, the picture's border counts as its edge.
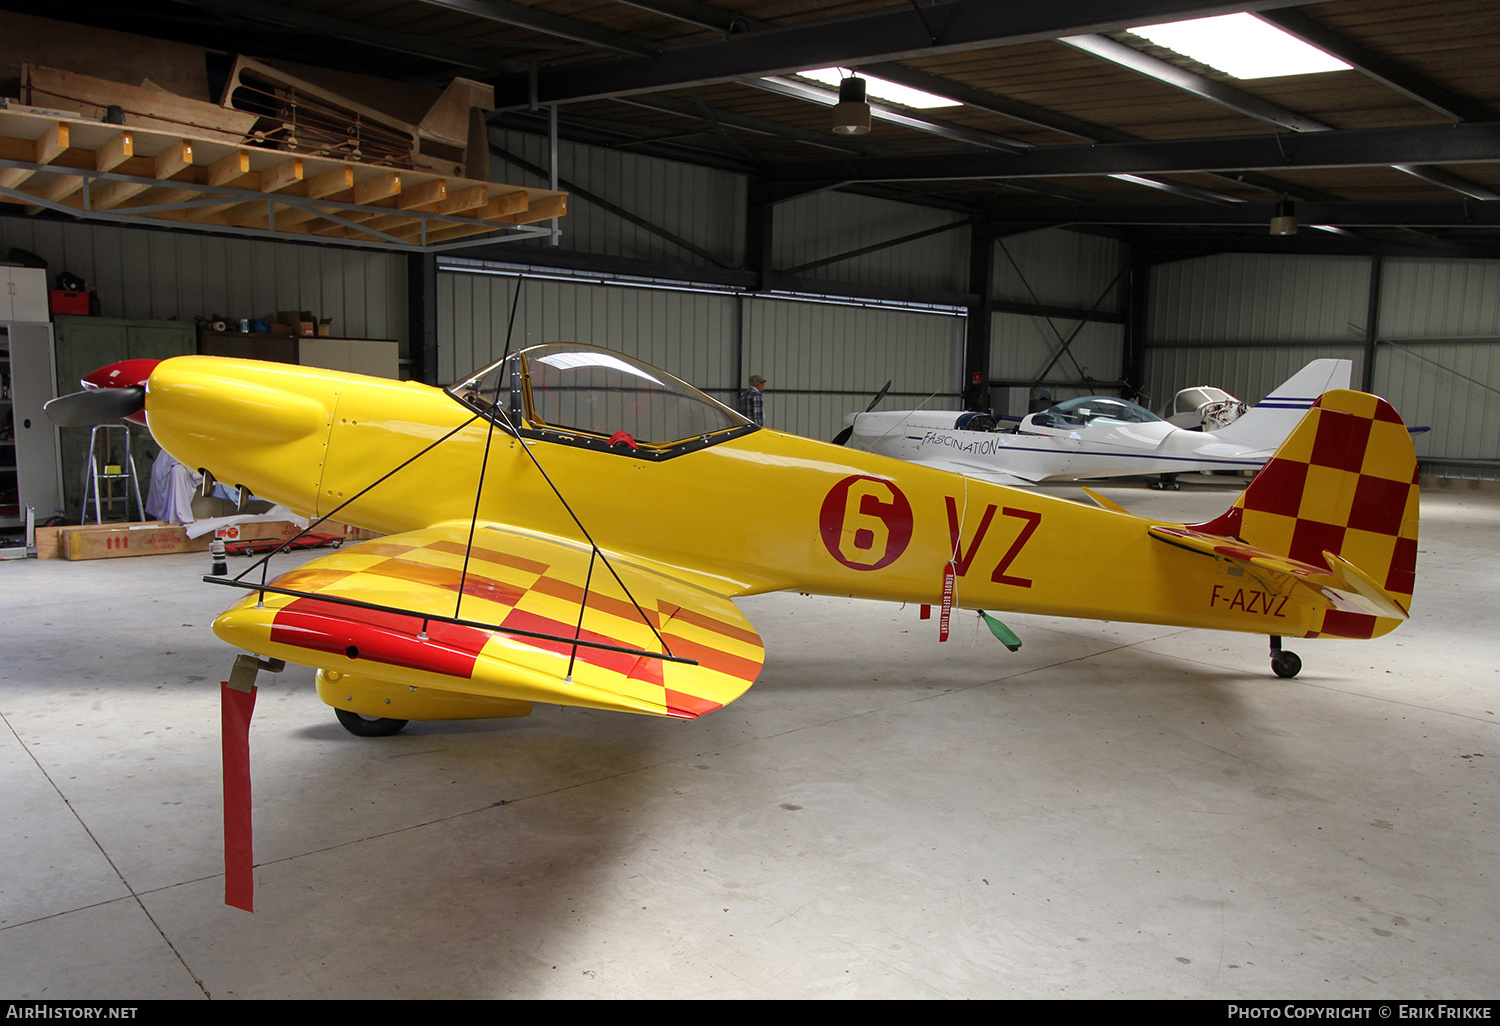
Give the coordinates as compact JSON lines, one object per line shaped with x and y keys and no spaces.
{"x":522,"y":595}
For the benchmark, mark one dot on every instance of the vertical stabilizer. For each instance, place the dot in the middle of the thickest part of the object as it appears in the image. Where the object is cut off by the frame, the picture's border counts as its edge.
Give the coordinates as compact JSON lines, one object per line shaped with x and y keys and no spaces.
{"x":1269,"y":421}
{"x":1344,"y":482}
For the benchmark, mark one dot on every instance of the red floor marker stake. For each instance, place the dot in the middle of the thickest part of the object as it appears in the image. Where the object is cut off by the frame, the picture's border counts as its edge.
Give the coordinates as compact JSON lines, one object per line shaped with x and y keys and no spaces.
{"x":239,"y":862}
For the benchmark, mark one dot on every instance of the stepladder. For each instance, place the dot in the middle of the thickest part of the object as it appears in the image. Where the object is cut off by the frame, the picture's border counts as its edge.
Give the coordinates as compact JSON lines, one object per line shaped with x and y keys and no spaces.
{"x":109,"y":478}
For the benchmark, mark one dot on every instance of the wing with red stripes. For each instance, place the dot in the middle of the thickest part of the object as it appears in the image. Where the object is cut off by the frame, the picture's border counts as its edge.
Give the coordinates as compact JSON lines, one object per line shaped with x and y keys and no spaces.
{"x":512,"y":605}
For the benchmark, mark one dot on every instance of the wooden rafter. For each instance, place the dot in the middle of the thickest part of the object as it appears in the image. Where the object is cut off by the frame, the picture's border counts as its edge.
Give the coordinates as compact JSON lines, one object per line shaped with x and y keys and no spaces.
{"x":94,"y":169}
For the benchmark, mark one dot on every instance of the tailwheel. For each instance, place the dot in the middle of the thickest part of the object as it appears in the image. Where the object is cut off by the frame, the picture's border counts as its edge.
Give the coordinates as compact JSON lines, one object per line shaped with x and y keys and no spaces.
{"x":1284,"y":662}
{"x":368,"y":726}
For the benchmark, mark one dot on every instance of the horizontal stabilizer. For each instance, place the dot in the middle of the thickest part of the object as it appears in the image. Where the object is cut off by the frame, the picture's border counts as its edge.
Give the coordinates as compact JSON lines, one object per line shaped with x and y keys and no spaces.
{"x":1341,"y":583}
{"x":1103,"y":502}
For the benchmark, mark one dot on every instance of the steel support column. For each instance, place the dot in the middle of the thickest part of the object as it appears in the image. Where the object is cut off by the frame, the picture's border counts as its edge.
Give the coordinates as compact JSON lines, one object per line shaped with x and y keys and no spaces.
{"x":760,"y":219}
{"x":1137,"y":292}
{"x":1372,"y":323}
{"x":976,"y":391}
{"x":421,"y":313}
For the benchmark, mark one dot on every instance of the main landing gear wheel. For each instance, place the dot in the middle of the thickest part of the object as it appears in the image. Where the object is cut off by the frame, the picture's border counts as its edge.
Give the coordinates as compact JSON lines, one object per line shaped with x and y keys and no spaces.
{"x":1286,"y":664}
{"x":368,"y":726}
{"x":1168,"y":482}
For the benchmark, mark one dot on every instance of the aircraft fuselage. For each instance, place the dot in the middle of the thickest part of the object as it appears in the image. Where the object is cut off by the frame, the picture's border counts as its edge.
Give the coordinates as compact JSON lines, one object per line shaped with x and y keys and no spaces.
{"x":765,"y":511}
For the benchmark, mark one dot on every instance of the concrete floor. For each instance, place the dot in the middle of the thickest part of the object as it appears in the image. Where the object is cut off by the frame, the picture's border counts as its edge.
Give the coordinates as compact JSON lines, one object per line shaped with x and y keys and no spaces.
{"x":1114,"y":811}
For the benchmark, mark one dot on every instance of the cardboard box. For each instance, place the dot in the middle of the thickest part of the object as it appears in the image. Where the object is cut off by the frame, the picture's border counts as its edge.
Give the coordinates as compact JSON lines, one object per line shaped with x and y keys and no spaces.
{"x":302,"y":322}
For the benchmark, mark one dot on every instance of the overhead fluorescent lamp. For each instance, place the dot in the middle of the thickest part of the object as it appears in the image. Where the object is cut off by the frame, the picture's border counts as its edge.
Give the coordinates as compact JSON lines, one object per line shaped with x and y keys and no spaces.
{"x":880,"y":89}
{"x":1241,"y":45}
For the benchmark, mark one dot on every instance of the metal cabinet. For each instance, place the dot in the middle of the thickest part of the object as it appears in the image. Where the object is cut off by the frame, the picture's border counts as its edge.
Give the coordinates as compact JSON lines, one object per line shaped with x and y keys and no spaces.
{"x":23,"y":294}
{"x":28,"y":440}
{"x":376,"y":357}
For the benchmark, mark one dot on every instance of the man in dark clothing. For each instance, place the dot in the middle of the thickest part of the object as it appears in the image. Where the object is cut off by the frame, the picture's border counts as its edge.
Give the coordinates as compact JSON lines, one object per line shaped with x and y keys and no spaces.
{"x":753,"y":400}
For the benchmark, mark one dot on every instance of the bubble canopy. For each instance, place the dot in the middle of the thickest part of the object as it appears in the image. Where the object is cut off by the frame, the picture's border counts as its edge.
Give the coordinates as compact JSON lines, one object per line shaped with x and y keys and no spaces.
{"x":583,"y":395}
{"x":1093,"y":407}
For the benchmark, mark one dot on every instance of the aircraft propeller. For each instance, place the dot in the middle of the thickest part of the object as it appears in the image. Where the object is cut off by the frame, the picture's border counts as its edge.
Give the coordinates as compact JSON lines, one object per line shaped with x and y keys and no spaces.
{"x":95,"y":406}
{"x":116,"y":392}
{"x":842,"y":438}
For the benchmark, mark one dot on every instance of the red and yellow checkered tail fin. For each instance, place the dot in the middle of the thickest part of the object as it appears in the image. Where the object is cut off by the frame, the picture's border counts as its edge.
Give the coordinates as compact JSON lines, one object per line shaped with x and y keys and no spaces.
{"x":1341,"y":493}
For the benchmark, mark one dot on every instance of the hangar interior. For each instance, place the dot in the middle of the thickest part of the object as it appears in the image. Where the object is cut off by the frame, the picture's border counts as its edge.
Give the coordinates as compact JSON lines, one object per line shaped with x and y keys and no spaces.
{"x":1114,"y":811}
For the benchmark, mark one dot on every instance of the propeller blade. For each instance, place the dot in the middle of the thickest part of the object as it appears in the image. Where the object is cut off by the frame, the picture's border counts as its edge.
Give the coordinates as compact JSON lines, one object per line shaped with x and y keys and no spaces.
{"x":842,"y":438}
{"x":95,"y":406}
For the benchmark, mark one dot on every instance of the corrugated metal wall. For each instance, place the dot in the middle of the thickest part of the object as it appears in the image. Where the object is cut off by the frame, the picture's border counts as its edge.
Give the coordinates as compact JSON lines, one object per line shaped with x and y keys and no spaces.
{"x":1451,"y":388}
{"x":1057,"y":267}
{"x":821,"y":360}
{"x":1432,"y":298}
{"x":1021,"y":346}
{"x":1246,"y":322}
{"x":689,"y":334}
{"x":159,"y":275}
{"x":827,"y":224}
{"x":703,"y":206}
{"x":1439,"y":361}
{"x":1239,"y":297}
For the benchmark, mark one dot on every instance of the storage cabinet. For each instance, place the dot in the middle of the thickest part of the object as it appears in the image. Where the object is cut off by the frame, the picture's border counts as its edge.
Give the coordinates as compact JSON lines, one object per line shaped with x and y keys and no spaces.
{"x":23,"y":294}
{"x":380,"y":358}
{"x":28,"y":440}
{"x":377,"y":357}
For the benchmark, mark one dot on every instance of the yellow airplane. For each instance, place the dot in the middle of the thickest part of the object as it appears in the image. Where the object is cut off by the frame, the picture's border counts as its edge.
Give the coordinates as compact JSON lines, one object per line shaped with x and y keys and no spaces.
{"x":572,"y":526}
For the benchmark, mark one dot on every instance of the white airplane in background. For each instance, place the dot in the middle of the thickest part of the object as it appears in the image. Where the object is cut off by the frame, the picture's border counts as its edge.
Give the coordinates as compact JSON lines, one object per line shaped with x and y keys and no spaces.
{"x":1095,"y":436}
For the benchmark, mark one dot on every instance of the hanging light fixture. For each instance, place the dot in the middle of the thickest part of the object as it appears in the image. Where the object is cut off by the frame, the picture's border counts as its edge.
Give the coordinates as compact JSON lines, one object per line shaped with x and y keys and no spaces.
{"x":1284,"y":221}
{"x":852,"y":115}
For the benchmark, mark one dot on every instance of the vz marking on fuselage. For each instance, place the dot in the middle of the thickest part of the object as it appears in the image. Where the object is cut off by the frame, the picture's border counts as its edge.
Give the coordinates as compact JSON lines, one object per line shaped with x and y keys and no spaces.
{"x":963,"y":558}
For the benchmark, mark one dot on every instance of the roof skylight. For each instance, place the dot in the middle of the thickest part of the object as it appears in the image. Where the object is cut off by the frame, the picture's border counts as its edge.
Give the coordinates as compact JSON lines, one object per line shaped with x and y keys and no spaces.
{"x":1241,"y":45}
{"x":880,"y":89}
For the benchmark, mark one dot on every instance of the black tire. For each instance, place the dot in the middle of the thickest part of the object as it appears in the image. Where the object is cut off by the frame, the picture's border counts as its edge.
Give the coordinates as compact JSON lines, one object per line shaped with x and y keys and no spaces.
{"x":1286,"y":664}
{"x":368,"y":726}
